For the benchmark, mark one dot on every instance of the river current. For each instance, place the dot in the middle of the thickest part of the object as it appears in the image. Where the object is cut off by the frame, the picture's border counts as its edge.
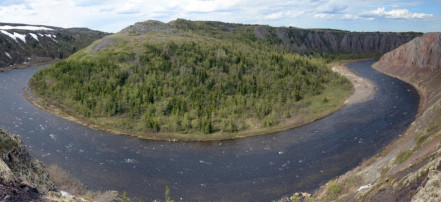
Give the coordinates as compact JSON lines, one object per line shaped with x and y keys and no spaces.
{"x":258,"y":168}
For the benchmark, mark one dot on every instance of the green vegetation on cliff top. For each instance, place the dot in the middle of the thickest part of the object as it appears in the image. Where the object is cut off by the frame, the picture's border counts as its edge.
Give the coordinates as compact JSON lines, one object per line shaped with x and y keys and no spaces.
{"x":155,"y":78}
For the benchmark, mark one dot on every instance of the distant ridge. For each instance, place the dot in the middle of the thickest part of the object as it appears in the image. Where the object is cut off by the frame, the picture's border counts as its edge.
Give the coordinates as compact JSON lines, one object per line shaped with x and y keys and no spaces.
{"x":307,"y":41}
{"x":22,"y":44}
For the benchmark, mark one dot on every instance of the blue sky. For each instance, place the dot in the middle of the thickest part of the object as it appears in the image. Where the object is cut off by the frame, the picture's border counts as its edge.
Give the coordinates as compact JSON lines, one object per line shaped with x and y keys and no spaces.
{"x":114,"y":15}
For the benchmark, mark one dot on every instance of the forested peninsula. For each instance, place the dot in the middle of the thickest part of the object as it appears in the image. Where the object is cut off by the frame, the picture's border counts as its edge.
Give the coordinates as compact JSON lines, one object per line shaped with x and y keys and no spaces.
{"x":189,"y":80}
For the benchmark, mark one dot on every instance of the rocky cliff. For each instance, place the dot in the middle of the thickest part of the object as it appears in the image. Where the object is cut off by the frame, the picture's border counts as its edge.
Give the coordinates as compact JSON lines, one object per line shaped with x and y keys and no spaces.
{"x":22,"y":178}
{"x":410,"y":168}
{"x":29,"y":44}
{"x":306,"y":41}
{"x":334,"y":41}
{"x":420,"y":54}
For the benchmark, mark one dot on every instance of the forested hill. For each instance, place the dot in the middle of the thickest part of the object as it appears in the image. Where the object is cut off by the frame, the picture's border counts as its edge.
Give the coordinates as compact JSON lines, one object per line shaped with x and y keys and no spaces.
{"x":188,"y":77}
{"x":27,"y":44}
{"x":305,"y":41}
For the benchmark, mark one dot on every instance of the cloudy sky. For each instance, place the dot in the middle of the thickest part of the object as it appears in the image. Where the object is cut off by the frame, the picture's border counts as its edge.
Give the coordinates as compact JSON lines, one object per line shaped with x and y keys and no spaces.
{"x":113,"y":15}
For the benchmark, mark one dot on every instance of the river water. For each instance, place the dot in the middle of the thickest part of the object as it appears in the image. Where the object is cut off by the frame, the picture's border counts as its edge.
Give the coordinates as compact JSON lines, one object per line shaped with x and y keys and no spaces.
{"x":252,"y":169}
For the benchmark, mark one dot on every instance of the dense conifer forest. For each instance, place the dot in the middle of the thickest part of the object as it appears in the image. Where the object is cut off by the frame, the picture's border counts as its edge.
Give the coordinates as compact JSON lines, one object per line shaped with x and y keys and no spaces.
{"x":188,"y":82}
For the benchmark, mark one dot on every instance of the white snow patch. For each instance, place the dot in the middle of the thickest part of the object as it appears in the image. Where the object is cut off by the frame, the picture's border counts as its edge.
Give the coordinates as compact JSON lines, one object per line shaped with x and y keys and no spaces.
{"x":33,"y":28}
{"x":8,"y":55}
{"x":364,"y":187}
{"x":34,"y":36}
{"x":48,"y":35}
{"x":20,"y":36}
{"x":41,"y":35}
{"x":9,"y":34}
{"x":15,"y":36}
{"x":65,"y":194}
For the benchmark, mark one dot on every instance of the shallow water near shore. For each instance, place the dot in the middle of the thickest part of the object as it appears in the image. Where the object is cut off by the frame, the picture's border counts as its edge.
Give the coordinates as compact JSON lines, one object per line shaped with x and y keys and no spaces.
{"x":258,"y":168}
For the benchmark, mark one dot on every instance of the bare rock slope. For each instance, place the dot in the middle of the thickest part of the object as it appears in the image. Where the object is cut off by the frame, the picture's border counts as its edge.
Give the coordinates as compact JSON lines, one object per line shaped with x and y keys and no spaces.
{"x":334,"y":41}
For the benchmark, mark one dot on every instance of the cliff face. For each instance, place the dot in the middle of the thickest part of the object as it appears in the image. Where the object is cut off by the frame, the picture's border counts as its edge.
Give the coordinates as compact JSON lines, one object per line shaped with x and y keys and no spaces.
{"x":22,"y":178}
{"x":334,"y":41}
{"x":410,"y":168}
{"x":27,"y":44}
{"x":423,"y":53}
{"x":306,"y":41}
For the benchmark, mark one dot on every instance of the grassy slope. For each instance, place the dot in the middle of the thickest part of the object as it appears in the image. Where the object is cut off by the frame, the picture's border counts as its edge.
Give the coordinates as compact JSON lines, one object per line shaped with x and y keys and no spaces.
{"x":291,"y":90}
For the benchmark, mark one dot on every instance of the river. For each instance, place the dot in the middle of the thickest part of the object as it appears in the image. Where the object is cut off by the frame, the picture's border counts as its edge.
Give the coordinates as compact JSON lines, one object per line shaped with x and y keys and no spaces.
{"x":258,"y":168}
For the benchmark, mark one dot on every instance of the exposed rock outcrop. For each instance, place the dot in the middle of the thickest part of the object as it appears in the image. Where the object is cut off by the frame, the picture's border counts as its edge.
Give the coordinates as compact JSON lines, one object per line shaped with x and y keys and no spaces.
{"x":22,"y":178}
{"x":334,"y":41}
{"x":422,"y":53}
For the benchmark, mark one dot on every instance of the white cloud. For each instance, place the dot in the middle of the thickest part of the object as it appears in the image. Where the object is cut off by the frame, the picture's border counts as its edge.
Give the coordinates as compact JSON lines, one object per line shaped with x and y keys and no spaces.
{"x":207,"y":5}
{"x":11,"y":2}
{"x":323,"y":15}
{"x":395,"y":14}
{"x":332,"y":8}
{"x":282,"y":14}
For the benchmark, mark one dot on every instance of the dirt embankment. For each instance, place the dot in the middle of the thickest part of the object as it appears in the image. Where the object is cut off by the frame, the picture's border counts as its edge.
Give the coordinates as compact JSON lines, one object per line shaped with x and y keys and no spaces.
{"x":409,"y":169}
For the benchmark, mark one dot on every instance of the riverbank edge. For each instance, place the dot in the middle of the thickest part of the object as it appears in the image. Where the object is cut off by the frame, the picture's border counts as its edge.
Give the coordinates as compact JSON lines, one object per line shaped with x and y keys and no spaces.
{"x":339,"y":67}
{"x":367,"y":168}
{"x":31,"y":64}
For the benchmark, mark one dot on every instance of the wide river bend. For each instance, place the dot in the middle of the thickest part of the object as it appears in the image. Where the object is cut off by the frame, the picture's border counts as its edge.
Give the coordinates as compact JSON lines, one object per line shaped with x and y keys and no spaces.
{"x":258,"y":168}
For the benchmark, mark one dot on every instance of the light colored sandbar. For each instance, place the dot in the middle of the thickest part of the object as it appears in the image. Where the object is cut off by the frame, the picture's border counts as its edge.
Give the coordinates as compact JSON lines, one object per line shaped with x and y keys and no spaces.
{"x":364,"y":89}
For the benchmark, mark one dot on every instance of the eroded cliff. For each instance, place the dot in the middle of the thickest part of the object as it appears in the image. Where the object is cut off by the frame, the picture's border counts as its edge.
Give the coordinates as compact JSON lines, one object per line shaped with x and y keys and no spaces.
{"x":325,"y":41}
{"x":305,"y":41}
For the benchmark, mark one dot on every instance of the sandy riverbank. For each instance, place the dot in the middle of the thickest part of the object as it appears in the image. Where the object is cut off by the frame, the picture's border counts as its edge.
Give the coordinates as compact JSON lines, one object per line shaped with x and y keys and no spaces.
{"x":364,"y":89}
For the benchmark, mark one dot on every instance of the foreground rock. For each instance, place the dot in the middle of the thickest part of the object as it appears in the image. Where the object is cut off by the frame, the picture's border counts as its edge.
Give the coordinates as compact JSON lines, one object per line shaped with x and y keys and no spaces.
{"x":22,"y":177}
{"x":410,"y":168}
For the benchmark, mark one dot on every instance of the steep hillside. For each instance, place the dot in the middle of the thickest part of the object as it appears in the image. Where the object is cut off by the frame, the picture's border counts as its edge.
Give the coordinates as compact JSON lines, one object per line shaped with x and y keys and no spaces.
{"x":410,"y":168}
{"x":27,"y":44}
{"x":163,"y":81}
